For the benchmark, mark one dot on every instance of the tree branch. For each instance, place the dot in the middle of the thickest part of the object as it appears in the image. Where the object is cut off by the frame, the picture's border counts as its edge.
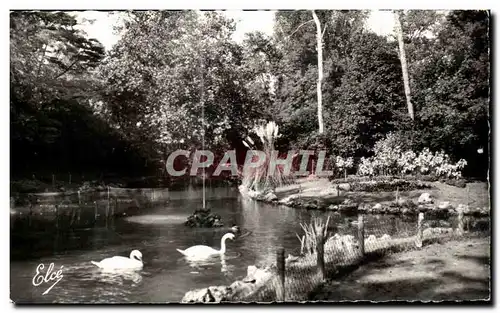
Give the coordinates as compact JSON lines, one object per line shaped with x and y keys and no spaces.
{"x":66,"y":70}
{"x":299,"y":27}
{"x":326,"y":25}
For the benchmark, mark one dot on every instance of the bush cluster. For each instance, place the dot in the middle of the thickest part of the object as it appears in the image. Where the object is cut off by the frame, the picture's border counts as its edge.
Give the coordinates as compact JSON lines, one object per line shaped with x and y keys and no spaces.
{"x":390,"y":159}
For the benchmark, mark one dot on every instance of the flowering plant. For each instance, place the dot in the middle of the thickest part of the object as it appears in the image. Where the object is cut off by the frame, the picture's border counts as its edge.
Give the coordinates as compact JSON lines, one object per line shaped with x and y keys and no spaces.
{"x":390,"y":159}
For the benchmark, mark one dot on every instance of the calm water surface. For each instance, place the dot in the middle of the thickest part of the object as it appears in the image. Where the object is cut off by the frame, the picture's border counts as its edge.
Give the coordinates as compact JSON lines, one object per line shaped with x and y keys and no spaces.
{"x":166,"y":276}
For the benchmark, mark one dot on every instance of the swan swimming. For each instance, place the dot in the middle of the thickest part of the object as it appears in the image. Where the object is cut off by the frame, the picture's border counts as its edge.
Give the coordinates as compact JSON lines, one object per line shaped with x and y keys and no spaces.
{"x":120,"y":262}
{"x":200,"y":251}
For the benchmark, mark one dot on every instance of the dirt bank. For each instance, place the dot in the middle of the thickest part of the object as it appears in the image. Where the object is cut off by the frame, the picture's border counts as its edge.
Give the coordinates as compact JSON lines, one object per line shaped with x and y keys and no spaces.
{"x":455,"y":270}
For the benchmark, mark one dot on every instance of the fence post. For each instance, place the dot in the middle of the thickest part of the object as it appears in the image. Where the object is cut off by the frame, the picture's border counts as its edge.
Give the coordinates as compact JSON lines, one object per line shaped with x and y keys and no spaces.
{"x":280,"y":264}
{"x":79,"y":198}
{"x":418,"y":242}
{"x":460,"y":230}
{"x":95,"y":211}
{"x":30,"y":216}
{"x":394,"y":228}
{"x":361,"y":235}
{"x":107,"y":209}
{"x":69,"y":178}
{"x":53,"y":181}
{"x":320,"y":249}
{"x":57,"y":216}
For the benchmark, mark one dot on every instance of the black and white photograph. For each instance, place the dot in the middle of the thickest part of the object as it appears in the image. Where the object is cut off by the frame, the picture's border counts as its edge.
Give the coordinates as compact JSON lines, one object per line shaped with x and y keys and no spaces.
{"x":250,"y":156}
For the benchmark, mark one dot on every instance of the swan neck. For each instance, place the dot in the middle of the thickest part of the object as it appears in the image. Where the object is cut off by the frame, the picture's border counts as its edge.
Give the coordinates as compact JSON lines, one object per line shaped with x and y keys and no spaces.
{"x":223,"y":245}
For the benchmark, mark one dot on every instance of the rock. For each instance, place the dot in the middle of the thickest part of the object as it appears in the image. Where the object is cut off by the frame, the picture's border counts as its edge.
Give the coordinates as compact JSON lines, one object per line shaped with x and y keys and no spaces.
{"x":405,"y":211}
{"x":393,"y":210}
{"x":444,"y":205}
{"x":385,"y":237}
{"x":347,"y":201}
{"x":207,"y":295}
{"x":255,"y":279}
{"x":364,"y":208}
{"x":425,"y":198}
{"x":270,"y":196}
{"x":289,"y":200}
{"x":377,"y":206}
{"x":344,"y":187}
{"x":333,"y":207}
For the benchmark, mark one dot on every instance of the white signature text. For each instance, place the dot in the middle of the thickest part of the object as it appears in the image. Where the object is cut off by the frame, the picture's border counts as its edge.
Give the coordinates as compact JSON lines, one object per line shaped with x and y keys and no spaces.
{"x":47,"y":277}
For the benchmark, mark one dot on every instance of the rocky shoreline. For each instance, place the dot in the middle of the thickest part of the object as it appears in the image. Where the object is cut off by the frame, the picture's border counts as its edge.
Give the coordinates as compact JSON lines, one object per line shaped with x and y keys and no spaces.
{"x":328,"y":197}
{"x":402,"y":207}
{"x":241,"y":290}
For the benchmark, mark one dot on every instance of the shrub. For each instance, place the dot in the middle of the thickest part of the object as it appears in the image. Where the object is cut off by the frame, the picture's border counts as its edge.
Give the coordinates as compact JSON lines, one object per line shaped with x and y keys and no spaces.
{"x":390,"y":159}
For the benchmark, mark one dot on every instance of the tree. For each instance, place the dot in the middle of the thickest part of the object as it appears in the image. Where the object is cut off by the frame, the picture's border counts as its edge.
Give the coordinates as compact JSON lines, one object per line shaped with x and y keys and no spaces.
{"x":320,"y":71}
{"x":361,"y":96}
{"x":452,"y":90}
{"x":52,"y":83}
{"x":404,"y":67}
{"x":160,"y":70}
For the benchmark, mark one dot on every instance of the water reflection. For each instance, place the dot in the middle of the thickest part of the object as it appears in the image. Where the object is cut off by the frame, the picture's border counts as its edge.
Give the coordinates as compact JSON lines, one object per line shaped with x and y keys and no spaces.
{"x":116,"y":277}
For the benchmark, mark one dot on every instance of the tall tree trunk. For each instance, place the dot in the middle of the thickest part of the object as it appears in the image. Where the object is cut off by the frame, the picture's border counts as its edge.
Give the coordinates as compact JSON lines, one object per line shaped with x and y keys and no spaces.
{"x":404,"y":65}
{"x":320,"y":71}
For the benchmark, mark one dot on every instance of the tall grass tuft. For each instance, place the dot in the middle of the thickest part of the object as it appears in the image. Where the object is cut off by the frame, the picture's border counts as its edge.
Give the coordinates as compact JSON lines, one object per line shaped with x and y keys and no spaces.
{"x":260,"y":179}
{"x":314,"y":232}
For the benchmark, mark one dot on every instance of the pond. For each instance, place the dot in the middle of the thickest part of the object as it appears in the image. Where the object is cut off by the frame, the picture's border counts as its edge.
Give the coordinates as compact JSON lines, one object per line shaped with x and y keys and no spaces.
{"x":157,"y":233}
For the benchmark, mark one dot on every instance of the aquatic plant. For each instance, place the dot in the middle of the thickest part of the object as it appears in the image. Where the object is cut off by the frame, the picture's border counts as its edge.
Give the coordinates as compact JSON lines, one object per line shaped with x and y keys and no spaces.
{"x":204,"y":218}
{"x":315,"y":232}
{"x":261,"y":178}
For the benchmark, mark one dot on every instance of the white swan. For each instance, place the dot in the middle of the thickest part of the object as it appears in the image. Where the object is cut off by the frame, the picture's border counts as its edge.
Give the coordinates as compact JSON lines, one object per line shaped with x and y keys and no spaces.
{"x":200,"y":252}
{"x":120,"y":262}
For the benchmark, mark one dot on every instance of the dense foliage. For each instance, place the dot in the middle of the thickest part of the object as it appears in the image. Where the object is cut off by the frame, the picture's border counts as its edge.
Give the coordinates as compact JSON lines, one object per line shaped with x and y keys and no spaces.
{"x":75,"y":108}
{"x":52,"y":81}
